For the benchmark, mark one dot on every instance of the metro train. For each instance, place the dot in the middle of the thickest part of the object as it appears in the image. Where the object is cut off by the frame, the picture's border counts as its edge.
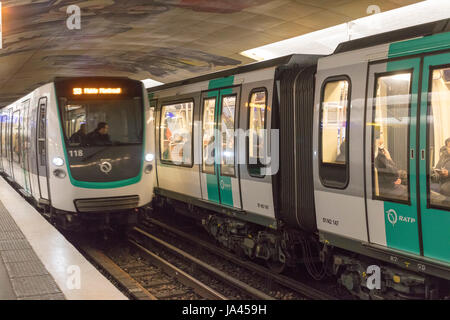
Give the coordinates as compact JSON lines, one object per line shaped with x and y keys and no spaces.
{"x":360,"y":186}
{"x":77,"y":147}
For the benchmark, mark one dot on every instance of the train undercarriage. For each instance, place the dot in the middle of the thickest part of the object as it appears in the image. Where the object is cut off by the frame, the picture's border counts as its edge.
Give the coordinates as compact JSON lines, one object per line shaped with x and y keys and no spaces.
{"x":361,"y":276}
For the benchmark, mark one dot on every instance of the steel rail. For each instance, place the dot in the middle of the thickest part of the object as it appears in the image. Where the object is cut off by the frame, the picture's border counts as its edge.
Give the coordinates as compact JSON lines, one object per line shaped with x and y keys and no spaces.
{"x":199,"y":287}
{"x":218,"y":274}
{"x":285,"y":281}
{"x":130,"y":285}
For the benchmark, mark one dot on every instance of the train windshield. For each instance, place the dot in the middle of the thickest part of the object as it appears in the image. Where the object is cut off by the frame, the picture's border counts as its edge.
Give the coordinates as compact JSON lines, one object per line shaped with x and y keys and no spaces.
{"x":102,"y":122}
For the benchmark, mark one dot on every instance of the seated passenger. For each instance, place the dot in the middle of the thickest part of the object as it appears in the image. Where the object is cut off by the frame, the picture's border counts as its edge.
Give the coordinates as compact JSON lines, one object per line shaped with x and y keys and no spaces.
{"x":440,"y":173}
{"x":389,"y":180}
{"x":79,"y":136}
{"x":100,"y":136}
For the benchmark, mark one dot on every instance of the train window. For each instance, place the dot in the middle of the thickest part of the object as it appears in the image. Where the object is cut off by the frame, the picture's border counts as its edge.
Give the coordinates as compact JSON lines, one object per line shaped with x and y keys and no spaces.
{"x":16,"y":136}
{"x":390,"y":145}
{"x":439,"y":139}
{"x":24,"y":135}
{"x":227,"y":130}
{"x":257,"y":138}
{"x":209,"y":106}
{"x":333,"y":132}
{"x":176,"y":133}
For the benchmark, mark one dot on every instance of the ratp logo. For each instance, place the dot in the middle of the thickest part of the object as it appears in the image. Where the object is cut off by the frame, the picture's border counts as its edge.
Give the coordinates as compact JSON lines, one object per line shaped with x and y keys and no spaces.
{"x":392,"y":216}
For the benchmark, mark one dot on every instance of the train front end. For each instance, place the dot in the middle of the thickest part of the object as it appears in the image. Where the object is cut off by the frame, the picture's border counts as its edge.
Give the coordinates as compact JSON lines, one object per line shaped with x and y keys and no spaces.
{"x":100,"y":161}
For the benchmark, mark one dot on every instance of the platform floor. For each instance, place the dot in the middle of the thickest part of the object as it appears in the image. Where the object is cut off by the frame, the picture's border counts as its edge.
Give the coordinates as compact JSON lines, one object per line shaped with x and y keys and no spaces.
{"x":38,"y":263}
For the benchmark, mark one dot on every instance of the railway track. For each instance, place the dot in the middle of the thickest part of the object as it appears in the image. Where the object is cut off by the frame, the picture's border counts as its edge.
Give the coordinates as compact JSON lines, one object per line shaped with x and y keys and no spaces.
{"x":150,"y":278}
{"x":300,"y":288}
{"x":143,"y":240}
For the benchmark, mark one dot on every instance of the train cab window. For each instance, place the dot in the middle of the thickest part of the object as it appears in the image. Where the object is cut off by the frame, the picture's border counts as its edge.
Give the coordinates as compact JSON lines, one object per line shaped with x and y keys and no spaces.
{"x":333,"y":145}
{"x":227,"y":130}
{"x":119,"y":121}
{"x":257,"y":137}
{"x":390,"y":156}
{"x":176,"y":133}
{"x":439,"y":139}
{"x":209,"y":106}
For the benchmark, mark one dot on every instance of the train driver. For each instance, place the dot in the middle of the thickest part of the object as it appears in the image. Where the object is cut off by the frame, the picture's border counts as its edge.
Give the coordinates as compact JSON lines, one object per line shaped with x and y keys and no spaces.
{"x":100,"y":136}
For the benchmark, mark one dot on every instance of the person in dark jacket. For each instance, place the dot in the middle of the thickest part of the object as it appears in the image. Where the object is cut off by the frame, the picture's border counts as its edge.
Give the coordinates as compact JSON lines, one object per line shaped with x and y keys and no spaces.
{"x":100,"y":136}
{"x":389,"y":180}
{"x":440,"y":173}
{"x":79,"y":136}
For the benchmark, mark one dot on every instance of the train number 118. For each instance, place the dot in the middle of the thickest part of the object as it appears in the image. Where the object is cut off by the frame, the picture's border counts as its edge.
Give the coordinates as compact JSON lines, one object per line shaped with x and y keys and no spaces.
{"x":76,"y":153}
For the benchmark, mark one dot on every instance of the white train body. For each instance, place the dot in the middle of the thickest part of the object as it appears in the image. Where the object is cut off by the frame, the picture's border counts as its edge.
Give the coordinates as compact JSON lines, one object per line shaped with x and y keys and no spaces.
{"x":80,"y":181}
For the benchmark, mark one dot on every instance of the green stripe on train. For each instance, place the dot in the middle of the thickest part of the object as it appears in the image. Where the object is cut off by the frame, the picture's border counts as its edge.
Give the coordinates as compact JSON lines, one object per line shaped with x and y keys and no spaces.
{"x":432,"y":43}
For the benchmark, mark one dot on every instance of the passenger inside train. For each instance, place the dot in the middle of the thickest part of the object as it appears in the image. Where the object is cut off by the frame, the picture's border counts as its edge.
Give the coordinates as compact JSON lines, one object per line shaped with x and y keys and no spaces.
{"x":440,"y":173}
{"x":389,"y":175}
{"x":100,"y":136}
{"x":79,"y":136}
{"x":439,"y":138}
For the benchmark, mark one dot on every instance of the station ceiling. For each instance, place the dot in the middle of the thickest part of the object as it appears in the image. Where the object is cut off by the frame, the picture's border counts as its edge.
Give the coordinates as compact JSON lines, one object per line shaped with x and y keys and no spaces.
{"x":166,"y":40}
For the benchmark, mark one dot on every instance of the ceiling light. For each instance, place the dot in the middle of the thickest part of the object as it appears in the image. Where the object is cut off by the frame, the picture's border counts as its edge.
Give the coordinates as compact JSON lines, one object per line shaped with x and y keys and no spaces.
{"x":148,"y":83}
{"x":325,"y":41}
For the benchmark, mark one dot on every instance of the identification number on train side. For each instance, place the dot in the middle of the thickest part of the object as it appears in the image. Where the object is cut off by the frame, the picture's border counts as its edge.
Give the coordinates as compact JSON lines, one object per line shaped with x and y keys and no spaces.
{"x":75,"y":153}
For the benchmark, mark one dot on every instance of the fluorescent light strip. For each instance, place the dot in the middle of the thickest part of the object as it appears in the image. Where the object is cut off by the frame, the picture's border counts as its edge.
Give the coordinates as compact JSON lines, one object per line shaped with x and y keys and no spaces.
{"x":325,"y":41}
{"x":151,"y":83}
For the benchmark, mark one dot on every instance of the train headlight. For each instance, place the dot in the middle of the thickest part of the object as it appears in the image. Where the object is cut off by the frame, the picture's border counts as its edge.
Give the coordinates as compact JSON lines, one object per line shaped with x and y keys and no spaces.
{"x":149,"y":157}
{"x":148,"y":168}
{"x":57,"y":161}
{"x":59,"y":173}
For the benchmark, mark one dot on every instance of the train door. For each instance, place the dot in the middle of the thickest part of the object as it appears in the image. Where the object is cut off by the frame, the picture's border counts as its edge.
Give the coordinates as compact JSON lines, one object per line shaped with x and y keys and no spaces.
{"x":4,"y":155}
{"x":390,"y":168}
{"x":15,"y":147}
{"x":25,"y":146}
{"x":8,"y":144}
{"x":434,"y":157}
{"x":219,"y":170}
{"x":42,"y":148}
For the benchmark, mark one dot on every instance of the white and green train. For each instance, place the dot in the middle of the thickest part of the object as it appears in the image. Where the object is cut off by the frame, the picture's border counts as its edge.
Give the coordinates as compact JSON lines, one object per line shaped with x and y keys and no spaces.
{"x":77,"y":148}
{"x":339,"y":162}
